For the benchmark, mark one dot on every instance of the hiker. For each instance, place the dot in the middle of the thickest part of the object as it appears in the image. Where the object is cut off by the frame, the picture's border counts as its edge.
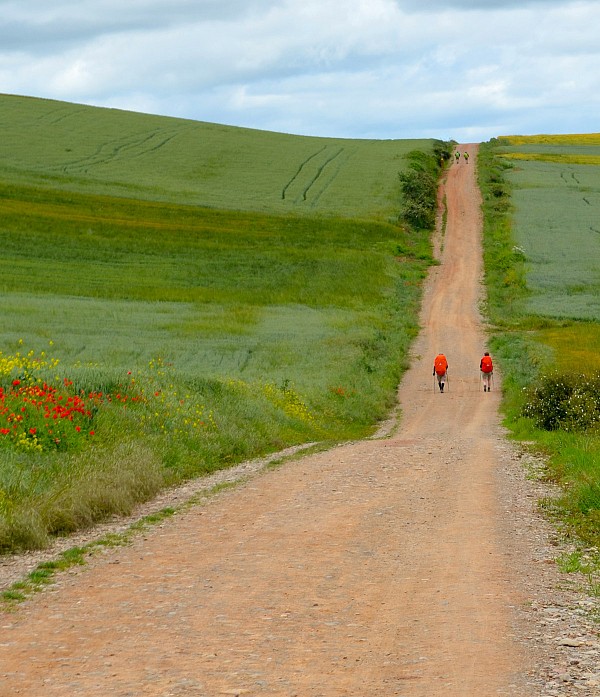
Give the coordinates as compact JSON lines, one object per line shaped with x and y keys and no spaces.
{"x":466,"y":156}
{"x":440,"y":370}
{"x":457,"y":156}
{"x":486,"y":367}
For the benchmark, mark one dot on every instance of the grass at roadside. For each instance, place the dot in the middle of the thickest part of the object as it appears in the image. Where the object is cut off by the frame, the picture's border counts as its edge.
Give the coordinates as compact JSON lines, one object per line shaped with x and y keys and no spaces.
{"x":185,"y":338}
{"x":44,"y":572}
{"x":538,"y":333}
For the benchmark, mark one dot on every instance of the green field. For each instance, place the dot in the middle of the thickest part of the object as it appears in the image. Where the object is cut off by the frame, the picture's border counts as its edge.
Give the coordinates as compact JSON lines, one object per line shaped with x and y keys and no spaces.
{"x":556,"y":223}
{"x":217,"y":292}
{"x":178,"y":297}
{"x":119,"y":153}
{"x":542,"y":239}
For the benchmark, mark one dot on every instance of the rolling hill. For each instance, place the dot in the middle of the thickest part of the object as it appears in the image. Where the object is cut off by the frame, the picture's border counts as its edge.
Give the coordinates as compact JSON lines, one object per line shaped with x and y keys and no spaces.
{"x":156,"y":158}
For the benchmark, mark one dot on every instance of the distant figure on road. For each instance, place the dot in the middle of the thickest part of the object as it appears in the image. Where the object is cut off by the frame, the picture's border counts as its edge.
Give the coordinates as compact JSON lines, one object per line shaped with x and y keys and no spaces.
{"x":486,"y":367}
{"x":466,"y":156}
{"x":440,"y":370}
{"x":457,"y":156}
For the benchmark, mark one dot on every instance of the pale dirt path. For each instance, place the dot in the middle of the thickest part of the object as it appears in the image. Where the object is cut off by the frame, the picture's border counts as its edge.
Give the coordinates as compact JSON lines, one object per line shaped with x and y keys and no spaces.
{"x":385,"y":567}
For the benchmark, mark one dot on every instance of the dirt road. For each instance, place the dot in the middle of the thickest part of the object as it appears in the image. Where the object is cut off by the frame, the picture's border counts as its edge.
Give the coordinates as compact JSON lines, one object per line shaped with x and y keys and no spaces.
{"x":387,"y":567}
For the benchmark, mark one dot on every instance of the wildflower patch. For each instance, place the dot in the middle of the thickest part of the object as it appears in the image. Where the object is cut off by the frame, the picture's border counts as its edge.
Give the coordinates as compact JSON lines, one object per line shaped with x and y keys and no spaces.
{"x":288,"y":400}
{"x":39,"y":415}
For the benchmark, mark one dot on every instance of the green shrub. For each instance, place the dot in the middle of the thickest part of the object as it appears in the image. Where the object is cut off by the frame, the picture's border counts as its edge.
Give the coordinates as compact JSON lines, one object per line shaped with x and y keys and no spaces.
{"x":565,"y":401}
{"x":442,"y":150}
{"x":419,"y":185}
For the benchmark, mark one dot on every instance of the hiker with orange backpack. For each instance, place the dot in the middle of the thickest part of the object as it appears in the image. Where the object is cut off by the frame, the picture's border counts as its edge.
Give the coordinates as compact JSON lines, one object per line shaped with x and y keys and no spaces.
{"x":440,"y":370}
{"x":486,"y":366}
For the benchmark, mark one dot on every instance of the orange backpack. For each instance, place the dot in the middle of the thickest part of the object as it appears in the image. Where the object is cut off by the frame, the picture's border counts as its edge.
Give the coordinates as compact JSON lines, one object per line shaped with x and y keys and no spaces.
{"x":440,"y":364}
{"x":486,"y":364}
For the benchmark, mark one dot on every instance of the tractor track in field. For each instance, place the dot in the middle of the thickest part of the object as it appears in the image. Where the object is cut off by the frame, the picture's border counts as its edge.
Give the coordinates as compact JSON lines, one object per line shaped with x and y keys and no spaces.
{"x":412,"y":564}
{"x":134,"y":146}
{"x":310,"y":173}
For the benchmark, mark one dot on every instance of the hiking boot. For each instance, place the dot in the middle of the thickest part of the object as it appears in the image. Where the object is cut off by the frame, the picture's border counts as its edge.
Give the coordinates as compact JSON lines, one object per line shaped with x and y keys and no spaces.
{"x":484,"y":388}
{"x":442,"y":387}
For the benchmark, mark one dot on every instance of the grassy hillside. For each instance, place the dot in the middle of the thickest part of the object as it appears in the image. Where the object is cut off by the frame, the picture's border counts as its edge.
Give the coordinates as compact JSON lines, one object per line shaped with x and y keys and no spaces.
{"x":542,"y":197}
{"x":178,"y":297}
{"x":119,"y":153}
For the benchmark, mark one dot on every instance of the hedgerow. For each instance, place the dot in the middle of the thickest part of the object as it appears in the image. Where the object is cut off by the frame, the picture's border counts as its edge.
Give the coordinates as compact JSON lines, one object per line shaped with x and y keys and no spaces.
{"x":419,"y":185}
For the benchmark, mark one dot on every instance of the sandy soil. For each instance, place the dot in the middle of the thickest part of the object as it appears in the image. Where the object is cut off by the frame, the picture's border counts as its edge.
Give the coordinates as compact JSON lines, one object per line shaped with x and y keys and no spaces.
{"x":412,"y":565}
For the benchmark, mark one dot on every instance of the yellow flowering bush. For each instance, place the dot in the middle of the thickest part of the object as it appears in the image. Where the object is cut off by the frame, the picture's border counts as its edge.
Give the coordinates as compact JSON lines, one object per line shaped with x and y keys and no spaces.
{"x":287,"y":399}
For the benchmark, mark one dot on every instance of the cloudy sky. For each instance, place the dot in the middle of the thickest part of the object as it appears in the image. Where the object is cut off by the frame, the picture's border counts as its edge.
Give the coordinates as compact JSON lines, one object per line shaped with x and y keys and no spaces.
{"x":463,"y":69}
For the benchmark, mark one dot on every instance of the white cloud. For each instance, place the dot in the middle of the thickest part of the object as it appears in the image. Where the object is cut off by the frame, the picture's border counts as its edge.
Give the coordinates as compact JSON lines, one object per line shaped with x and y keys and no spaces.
{"x":359,"y":68}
